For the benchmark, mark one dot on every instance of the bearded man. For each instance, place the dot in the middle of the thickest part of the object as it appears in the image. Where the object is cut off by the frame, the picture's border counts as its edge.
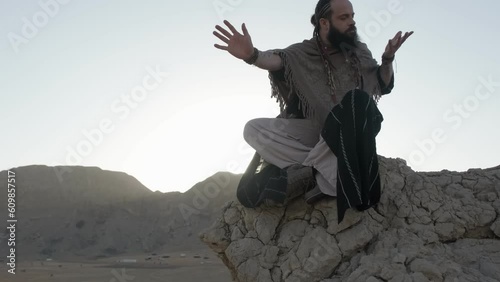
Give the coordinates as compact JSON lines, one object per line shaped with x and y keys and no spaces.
{"x":327,"y":88}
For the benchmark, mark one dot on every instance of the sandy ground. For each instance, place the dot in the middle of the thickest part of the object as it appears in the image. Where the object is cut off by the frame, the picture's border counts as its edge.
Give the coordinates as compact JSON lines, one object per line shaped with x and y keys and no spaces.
{"x":152,"y":268}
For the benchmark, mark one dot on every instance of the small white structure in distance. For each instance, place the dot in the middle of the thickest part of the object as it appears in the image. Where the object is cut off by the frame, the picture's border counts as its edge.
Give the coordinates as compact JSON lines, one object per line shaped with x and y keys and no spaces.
{"x":128,"y":260}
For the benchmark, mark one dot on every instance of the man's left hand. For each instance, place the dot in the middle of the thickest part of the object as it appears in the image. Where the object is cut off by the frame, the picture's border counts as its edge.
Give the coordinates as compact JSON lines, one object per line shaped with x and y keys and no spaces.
{"x":394,"y":44}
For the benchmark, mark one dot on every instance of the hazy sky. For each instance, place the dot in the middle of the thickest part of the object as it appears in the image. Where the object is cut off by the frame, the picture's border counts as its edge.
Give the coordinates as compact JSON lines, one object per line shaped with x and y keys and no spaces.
{"x":137,"y":86}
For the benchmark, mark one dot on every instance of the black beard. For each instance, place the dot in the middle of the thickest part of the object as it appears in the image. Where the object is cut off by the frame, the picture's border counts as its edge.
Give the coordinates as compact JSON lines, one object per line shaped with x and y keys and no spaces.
{"x":341,"y":40}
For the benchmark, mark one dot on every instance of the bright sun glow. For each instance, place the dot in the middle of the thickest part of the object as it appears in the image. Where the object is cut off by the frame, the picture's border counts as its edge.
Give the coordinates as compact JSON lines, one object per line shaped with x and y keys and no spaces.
{"x":211,"y":131}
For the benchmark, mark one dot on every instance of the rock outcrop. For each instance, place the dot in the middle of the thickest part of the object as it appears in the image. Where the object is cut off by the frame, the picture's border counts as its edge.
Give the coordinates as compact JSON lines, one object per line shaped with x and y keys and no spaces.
{"x":439,"y":226}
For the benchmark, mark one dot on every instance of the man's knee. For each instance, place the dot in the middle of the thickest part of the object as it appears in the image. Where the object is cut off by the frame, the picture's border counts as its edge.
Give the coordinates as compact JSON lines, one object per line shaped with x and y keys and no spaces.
{"x":250,"y":131}
{"x":259,"y":132}
{"x":358,"y":94}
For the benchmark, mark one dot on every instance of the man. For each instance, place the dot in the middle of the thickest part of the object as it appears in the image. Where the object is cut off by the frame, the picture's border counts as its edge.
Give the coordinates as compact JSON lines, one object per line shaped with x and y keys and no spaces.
{"x":326,"y":87}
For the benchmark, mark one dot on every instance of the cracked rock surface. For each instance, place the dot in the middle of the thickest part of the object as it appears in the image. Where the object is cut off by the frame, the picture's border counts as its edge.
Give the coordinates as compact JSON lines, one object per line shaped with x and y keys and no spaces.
{"x":428,"y":226}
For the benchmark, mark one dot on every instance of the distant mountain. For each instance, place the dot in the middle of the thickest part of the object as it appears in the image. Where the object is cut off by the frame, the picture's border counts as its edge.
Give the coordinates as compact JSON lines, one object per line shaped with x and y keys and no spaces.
{"x":87,"y":211}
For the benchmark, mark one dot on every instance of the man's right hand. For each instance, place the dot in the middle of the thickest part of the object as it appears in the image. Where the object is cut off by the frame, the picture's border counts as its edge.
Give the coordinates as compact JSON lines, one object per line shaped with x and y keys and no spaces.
{"x":238,"y":45}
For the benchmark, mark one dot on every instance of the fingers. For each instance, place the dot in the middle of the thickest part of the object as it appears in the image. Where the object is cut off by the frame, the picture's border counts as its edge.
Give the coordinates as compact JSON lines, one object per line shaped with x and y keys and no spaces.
{"x":407,"y":34}
{"x":398,"y":35}
{"x":224,"y":39}
{"x":225,"y":36}
{"x":223,"y":31}
{"x":395,"y":43}
{"x":231,"y":27}
{"x":403,"y":39}
{"x":220,"y":47}
{"x":244,"y":28}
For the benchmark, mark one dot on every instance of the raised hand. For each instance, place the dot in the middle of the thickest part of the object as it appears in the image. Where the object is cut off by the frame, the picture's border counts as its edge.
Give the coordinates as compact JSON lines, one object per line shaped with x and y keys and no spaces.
{"x":238,"y":45}
{"x":394,"y":44}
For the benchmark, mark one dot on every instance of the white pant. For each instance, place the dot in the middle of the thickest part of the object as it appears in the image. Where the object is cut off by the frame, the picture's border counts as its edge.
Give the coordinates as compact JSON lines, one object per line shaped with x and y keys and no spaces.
{"x":284,"y":142}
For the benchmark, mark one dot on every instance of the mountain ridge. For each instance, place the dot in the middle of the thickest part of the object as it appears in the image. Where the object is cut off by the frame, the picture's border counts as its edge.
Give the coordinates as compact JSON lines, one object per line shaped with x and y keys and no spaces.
{"x":92,"y":212}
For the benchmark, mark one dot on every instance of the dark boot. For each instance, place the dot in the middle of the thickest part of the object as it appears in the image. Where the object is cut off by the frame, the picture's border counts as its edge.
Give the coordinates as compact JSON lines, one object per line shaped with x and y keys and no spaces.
{"x":300,"y":179}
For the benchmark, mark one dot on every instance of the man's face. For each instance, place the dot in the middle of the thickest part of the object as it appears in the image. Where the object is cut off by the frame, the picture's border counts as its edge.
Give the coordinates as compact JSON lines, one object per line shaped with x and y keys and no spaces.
{"x":338,"y":38}
{"x":342,"y":25}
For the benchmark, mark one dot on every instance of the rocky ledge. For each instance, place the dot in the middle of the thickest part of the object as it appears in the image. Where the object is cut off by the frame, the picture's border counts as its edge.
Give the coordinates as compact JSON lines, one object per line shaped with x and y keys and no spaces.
{"x":428,"y":226}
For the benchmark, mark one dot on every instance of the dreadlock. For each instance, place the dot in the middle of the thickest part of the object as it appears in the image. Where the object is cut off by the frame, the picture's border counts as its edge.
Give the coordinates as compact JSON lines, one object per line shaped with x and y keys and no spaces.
{"x":324,"y":10}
